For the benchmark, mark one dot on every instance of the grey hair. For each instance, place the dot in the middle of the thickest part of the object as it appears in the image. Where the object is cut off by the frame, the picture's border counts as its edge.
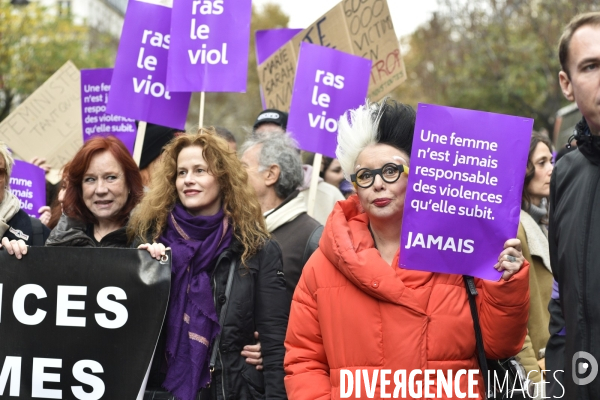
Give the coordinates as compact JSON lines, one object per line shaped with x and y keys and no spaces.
{"x":356,"y":131}
{"x":8,"y":160}
{"x":282,"y":150}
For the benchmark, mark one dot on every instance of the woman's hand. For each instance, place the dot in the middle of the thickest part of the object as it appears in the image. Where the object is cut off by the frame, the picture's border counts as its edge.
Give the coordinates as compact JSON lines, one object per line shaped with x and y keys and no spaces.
{"x":16,"y":248}
{"x":156,"y":250}
{"x":253,"y":354}
{"x":511,"y":259}
{"x":45,"y":213}
{"x":41,"y":162}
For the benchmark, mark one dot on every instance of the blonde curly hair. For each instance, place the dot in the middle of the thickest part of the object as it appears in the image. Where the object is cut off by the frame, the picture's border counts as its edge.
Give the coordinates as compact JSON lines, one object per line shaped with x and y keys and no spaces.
{"x":239,"y":201}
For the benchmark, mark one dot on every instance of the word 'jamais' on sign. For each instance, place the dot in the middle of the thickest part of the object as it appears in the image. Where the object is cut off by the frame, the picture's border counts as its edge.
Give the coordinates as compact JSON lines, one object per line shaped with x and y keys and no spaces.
{"x":323,"y":99}
{"x":430,"y":241}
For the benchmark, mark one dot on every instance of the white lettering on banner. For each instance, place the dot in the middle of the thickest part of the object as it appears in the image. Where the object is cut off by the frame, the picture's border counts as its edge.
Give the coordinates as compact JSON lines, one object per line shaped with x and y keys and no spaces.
{"x":19,"y":304}
{"x":149,"y":63}
{"x":64,"y":304}
{"x":419,"y":383}
{"x":323,"y":99}
{"x":112,"y":306}
{"x":88,"y":379}
{"x":199,"y":33}
{"x":207,"y":7}
{"x":21,"y":182}
{"x":457,"y":245}
{"x":202,"y":32}
{"x":210,"y":56}
{"x":12,"y":368}
{"x":39,"y":376}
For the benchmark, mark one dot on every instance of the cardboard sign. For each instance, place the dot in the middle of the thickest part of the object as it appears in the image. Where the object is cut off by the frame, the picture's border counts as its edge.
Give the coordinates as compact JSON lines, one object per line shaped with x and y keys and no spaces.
{"x":363,"y":28}
{"x":48,"y":123}
{"x":269,"y":40}
{"x":138,"y":86}
{"x":209,"y":46}
{"x":328,"y":83}
{"x":95,"y":85}
{"x":463,"y":198}
{"x":28,"y":183}
{"x":80,"y":323}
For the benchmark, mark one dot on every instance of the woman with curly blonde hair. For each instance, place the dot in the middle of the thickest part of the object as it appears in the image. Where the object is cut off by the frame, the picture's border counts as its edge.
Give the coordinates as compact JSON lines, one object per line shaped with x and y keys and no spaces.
{"x":202,"y":206}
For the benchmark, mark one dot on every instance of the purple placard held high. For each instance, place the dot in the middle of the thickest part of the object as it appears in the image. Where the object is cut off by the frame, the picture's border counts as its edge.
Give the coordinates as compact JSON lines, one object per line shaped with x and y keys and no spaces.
{"x":95,"y":85}
{"x":28,"y":183}
{"x":138,"y":86}
{"x":328,"y":83}
{"x":268,"y":41}
{"x":464,"y":190}
{"x":209,"y":47}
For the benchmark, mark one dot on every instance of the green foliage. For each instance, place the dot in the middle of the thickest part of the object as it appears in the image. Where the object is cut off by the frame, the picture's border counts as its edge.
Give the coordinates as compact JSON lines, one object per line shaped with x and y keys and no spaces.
{"x":235,"y":110}
{"x":36,"y":41}
{"x":492,"y":55}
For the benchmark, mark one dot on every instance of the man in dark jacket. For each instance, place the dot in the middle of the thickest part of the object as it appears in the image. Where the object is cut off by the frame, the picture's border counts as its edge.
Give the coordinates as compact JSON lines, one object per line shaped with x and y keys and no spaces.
{"x":275,"y":171}
{"x":574,"y":230}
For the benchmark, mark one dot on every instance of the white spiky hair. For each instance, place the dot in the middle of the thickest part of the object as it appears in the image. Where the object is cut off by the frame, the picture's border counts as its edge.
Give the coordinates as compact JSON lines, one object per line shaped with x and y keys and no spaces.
{"x":356,"y":131}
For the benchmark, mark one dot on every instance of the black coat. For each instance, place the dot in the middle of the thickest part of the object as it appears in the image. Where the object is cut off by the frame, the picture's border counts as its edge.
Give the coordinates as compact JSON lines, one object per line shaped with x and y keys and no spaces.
{"x":73,"y":233}
{"x":574,"y":236}
{"x":258,"y":302}
{"x":20,"y":227}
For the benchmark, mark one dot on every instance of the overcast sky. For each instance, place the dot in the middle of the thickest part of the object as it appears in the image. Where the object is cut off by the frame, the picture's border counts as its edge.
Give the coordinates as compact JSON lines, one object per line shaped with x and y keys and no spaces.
{"x":407,"y":15}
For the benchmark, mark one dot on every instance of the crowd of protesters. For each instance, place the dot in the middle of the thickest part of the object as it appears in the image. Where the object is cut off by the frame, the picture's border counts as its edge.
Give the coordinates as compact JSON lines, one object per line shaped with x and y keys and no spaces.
{"x":313,"y":289}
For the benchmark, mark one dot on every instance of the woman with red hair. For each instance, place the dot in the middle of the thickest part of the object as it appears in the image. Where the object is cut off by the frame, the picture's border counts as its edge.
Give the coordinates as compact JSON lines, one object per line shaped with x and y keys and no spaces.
{"x":103,"y":185}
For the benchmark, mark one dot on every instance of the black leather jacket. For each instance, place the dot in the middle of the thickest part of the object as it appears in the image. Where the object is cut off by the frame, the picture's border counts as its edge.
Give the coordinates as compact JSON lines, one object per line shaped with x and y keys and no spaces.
{"x":574,"y":237}
{"x":73,"y":233}
{"x":259,"y":302}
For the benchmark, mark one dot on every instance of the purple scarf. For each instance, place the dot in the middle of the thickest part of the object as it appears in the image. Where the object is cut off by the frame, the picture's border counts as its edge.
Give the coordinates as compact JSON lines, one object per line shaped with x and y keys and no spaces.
{"x":192,"y":321}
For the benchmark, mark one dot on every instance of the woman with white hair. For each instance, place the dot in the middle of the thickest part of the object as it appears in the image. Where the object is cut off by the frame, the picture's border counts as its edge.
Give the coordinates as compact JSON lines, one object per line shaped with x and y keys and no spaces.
{"x":355,"y":310}
{"x":15,"y":224}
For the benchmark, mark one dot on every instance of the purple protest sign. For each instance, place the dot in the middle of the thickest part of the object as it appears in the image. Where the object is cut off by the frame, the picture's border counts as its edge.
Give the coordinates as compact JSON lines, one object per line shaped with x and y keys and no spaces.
{"x":464,"y":190}
{"x":138,"y":86}
{"x":209,"y":46}
{"x":95,"y":85}
{"x":328,"y":83}
{"x":268,"y":41}
{"x":28,"y":183}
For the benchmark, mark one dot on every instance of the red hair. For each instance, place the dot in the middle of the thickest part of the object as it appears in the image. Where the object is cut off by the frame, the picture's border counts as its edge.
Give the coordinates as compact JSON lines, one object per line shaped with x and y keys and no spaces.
{"x":73,"y":204}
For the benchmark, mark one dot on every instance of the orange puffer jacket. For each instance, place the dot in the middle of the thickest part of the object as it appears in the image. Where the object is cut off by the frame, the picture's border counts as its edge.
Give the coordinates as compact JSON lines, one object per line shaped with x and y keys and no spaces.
{"x":351,"y":310}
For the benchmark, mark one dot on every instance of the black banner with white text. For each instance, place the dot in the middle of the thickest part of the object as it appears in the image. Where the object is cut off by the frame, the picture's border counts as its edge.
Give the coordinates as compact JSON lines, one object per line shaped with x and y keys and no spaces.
{"x":79,"y":323}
